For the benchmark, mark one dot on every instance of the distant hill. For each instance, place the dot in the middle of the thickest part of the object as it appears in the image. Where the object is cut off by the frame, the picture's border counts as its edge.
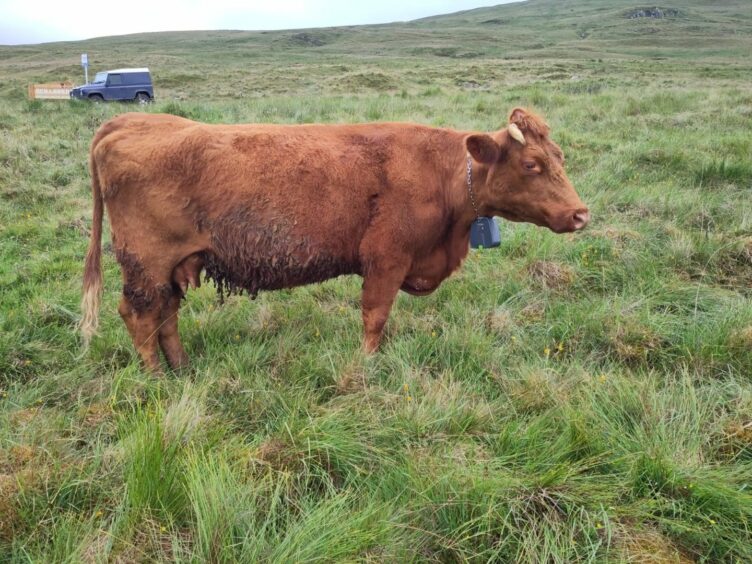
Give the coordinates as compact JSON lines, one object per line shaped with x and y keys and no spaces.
{"x":686,"y":30}
{"x":615,"y":27}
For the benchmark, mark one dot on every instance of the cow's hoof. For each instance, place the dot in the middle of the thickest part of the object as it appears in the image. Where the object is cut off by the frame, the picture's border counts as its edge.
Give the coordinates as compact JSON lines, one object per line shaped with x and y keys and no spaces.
{"x":178,"y":361}
{"x":181,"y":367}
{"x":371,"y":346}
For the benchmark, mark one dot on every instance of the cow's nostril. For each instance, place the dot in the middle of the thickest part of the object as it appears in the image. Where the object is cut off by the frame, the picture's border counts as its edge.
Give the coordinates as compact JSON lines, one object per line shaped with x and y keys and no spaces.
{"x":581,"y":218}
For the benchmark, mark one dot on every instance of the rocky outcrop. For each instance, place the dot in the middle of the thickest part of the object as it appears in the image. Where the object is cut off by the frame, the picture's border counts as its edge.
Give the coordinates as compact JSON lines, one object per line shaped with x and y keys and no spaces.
{"x":655,"y":12}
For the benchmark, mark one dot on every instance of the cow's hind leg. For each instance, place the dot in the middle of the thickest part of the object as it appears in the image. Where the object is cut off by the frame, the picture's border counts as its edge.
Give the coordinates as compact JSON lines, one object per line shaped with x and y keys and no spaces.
{"x":169,"y":338}
{"x":187,"y":274}
{"x":147,"y":290}
{"x":143,"y":324}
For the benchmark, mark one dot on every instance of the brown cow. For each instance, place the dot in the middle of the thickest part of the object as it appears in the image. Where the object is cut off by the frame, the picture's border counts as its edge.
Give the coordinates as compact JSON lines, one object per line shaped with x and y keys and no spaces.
{"x":263,"y":207}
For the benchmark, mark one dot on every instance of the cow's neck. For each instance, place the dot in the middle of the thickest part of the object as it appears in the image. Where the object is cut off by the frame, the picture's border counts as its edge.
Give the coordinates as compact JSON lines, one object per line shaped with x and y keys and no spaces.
{"x":460,"y":212}
{"x":452,"y":248}
{"x":459,"y":201}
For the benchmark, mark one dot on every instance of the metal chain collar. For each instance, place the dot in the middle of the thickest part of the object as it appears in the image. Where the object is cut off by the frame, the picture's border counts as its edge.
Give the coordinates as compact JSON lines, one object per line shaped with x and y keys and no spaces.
{"x":470,"y":185}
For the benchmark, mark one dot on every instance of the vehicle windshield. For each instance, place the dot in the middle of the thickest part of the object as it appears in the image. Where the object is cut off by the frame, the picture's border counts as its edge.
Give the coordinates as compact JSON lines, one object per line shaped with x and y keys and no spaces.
{"x":100,"y":78}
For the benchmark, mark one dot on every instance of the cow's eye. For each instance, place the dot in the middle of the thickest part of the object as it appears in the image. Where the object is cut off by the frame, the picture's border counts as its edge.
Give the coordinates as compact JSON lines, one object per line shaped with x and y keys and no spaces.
{"x":530,"y":166}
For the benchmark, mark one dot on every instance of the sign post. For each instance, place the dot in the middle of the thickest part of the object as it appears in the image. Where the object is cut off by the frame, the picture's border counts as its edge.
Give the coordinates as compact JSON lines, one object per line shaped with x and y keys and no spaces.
{"x":85,"y":64}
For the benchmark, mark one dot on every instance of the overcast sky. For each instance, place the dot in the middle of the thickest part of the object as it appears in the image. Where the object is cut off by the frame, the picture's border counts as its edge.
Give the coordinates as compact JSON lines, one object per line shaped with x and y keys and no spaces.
{"x":38,"y":21}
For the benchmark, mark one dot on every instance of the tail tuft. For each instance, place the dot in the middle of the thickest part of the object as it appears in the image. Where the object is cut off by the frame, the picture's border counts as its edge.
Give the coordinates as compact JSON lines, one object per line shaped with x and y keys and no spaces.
{"x":92,"y":287}
{"x":90,"y":301}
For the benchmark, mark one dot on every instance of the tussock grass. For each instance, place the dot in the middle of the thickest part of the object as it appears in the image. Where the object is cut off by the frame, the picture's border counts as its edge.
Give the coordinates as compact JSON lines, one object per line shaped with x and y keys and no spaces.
{"x":563,"y":398}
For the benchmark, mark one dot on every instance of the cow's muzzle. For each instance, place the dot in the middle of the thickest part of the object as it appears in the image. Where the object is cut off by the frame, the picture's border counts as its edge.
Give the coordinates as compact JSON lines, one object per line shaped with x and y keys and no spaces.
{"x":571,"y":221}
{"x":580,"y":219}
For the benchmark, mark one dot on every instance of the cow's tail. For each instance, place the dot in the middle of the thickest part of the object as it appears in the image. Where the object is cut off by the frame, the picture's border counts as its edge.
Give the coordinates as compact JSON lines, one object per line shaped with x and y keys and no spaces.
{"x":92,"y":287}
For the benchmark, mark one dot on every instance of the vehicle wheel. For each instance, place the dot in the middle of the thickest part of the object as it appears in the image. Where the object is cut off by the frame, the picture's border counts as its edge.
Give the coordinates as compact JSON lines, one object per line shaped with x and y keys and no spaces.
{"x":143,"y":98}
{"x":96,"y":98}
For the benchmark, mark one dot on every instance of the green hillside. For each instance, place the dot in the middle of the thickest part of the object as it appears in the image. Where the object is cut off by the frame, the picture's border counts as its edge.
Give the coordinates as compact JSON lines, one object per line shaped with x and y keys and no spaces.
{"x":563,"y":398}
{"x":485,"y":42}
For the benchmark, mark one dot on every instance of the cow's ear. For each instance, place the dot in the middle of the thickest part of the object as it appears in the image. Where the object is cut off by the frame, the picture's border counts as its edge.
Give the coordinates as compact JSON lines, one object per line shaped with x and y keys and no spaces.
{"x":528,"y":122}
{"x":518,"y":116}
{"x":483,"y":148}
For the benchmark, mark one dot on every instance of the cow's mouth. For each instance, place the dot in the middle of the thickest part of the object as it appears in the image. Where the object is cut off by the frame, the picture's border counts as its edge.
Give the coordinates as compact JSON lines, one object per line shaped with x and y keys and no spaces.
{"x":567,"y":223}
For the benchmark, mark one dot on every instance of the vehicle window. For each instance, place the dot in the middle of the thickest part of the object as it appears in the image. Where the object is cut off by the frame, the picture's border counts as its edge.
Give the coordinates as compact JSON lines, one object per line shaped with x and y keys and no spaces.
{"x":114,"y":80}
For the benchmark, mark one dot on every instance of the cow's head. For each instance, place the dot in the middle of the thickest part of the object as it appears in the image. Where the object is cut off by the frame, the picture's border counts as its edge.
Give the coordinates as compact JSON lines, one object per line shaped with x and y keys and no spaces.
{"x":525,"y":178}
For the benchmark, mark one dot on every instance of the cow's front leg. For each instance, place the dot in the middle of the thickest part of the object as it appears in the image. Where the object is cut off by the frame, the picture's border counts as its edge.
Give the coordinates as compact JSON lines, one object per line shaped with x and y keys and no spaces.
{"x":380,"y":286}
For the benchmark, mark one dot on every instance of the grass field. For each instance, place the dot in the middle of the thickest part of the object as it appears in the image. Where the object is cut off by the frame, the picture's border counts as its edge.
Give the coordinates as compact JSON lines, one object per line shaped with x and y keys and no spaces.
{"x":582,"y":397}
